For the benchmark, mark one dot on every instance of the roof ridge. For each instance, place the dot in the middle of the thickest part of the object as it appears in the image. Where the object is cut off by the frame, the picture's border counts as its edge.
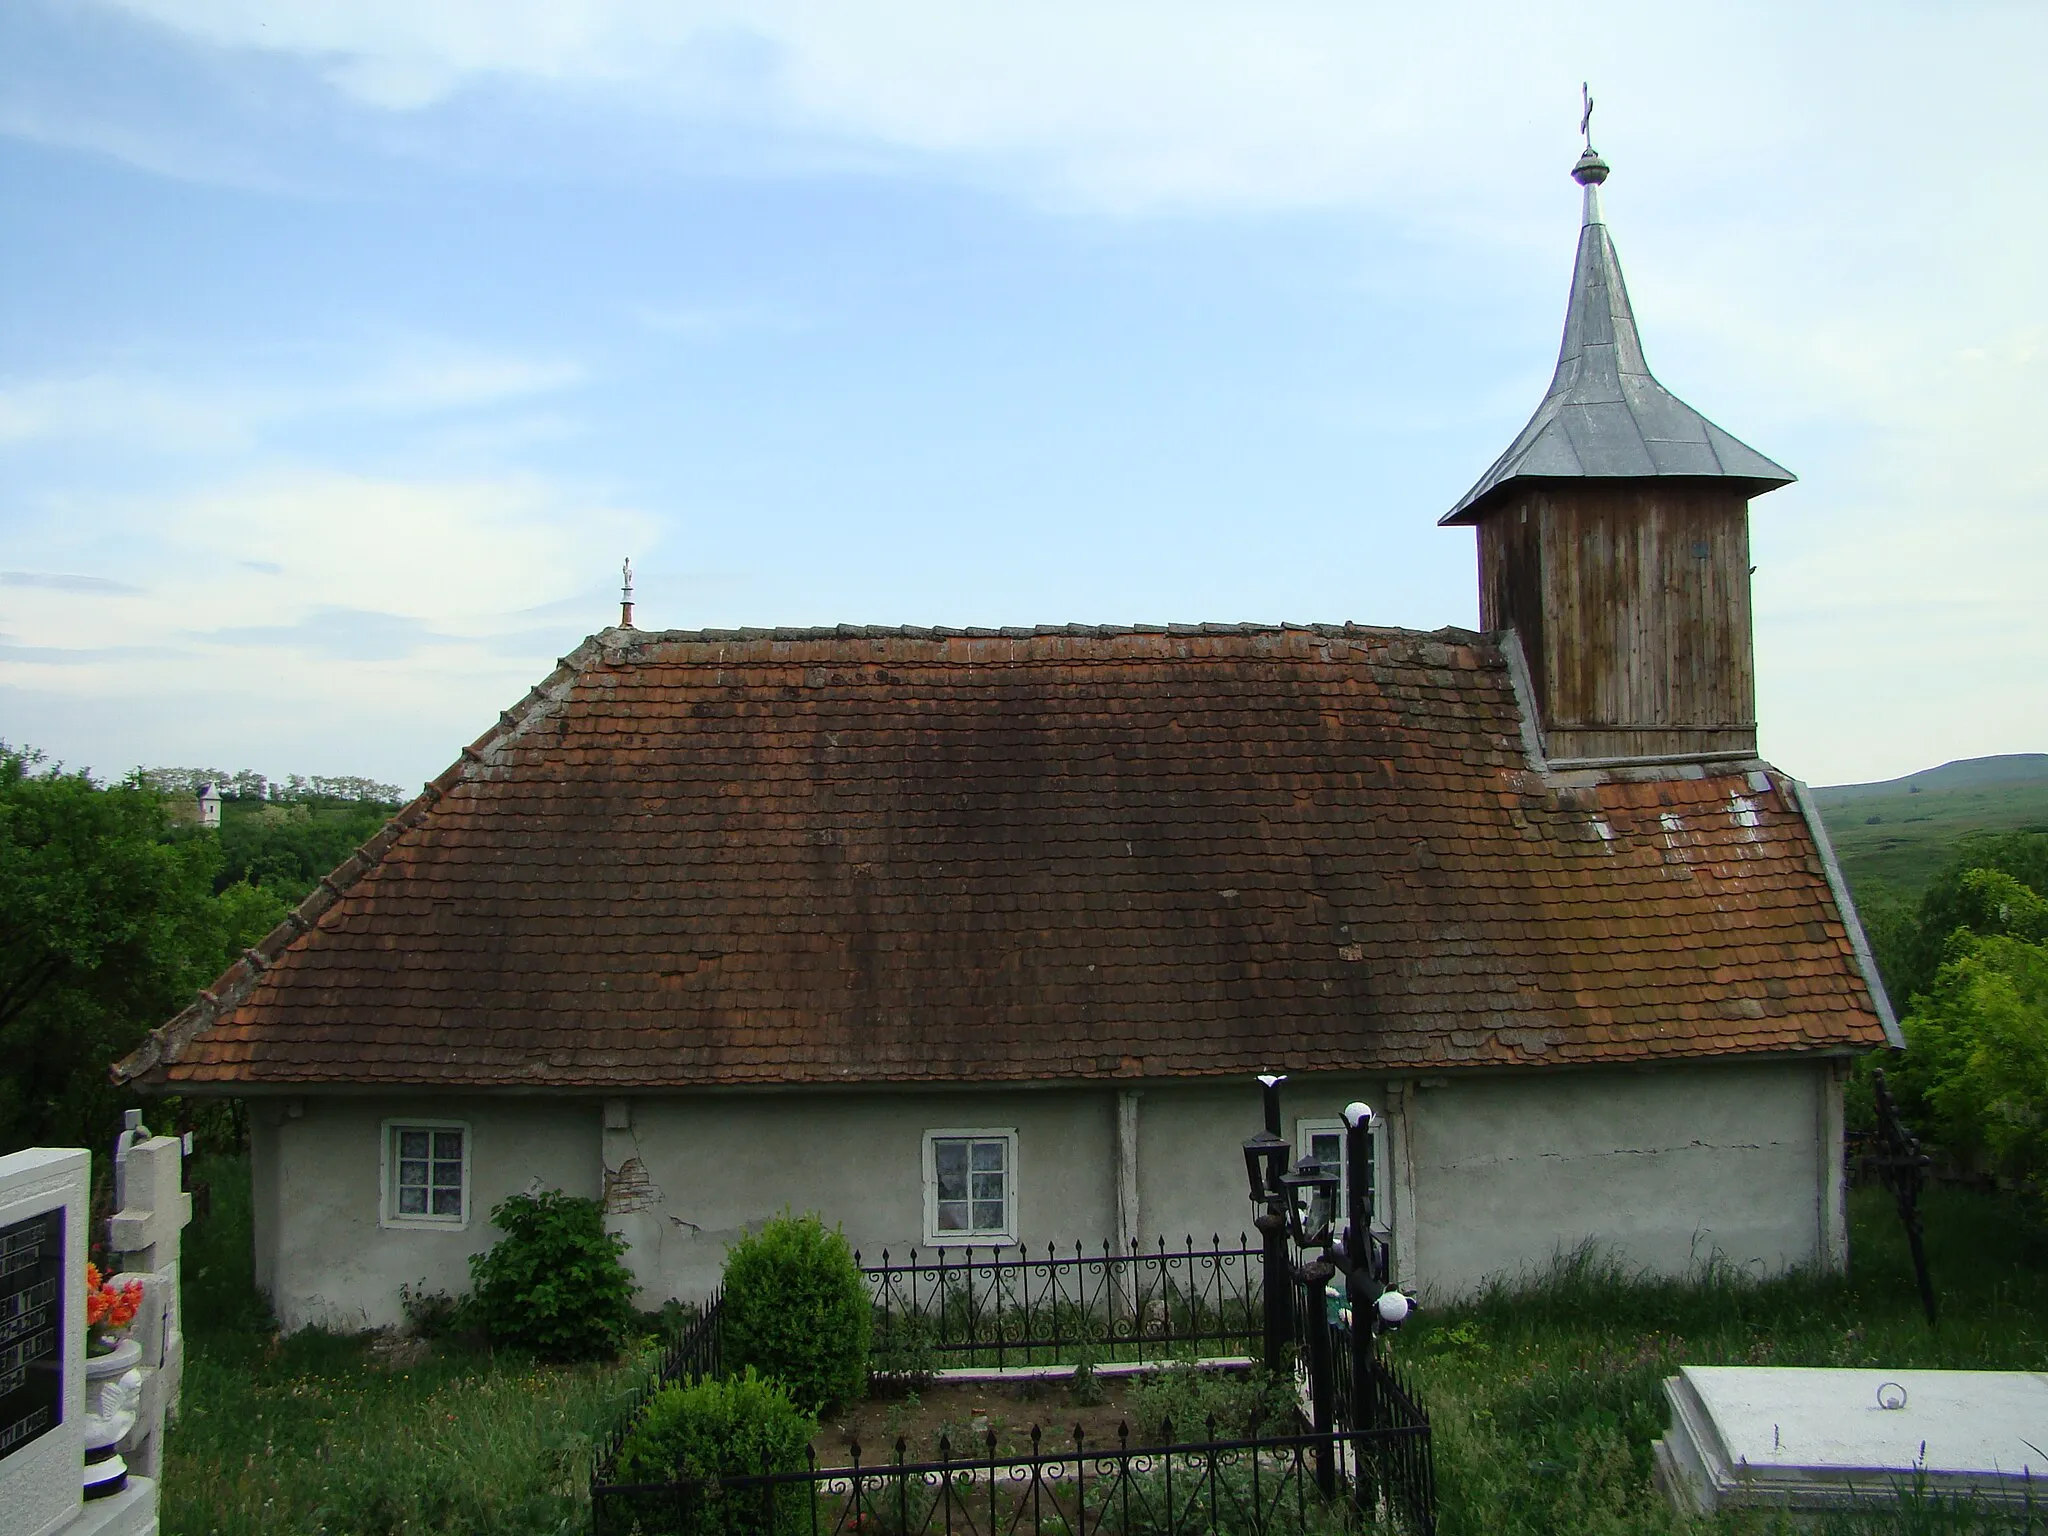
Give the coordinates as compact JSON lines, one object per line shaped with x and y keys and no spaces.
{"x":1348,"y":629}
{"x":162,"y":1046}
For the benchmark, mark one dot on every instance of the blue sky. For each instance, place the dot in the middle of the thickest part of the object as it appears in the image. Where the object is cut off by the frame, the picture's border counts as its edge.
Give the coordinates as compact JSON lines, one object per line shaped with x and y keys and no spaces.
{"x":347,"y":345}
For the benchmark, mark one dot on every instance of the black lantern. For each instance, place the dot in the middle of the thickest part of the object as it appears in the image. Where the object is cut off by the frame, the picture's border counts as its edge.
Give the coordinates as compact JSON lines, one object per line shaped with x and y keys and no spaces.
{"x":1265,"y":1161}
{"x":1311,"y":1202}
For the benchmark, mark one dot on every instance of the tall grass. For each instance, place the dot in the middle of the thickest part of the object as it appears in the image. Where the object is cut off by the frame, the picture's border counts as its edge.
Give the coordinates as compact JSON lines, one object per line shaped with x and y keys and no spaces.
{"x":325,"y":1433}
{"x":1546,"y":1396}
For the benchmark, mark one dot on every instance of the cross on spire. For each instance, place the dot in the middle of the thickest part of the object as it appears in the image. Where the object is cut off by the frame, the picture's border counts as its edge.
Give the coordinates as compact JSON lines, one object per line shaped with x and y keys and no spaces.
{"x":1586,"y":117}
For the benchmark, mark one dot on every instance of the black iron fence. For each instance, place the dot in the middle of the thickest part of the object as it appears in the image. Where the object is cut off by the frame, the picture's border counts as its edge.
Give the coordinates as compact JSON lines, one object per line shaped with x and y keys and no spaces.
{"x":999,"y":1307}
{"x":1379,"y":1443}
{"x":1360,"y":1454}
{"x":1265,"y":1485}
{"x":696,"y":1351}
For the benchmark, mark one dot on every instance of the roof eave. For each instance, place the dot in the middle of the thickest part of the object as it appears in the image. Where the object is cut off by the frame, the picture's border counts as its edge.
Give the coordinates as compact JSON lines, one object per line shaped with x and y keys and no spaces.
{"x":1474,"y":508}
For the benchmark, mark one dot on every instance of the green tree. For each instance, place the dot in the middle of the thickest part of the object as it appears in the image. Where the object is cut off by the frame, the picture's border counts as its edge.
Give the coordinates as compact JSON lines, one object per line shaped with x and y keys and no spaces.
{"x":286,"y":848}
{"x":1911,"y":939}
{"x":108,"y":926}
{"x":1977,"y":1055}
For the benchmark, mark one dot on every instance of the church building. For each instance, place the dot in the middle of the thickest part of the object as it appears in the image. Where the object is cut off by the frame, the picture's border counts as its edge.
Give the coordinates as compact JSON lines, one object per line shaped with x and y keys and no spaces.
{"x":979,"y":936}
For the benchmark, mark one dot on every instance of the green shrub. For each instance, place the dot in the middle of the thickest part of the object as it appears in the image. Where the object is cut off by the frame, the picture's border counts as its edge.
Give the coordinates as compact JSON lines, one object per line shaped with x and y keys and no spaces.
{"x":736,"y":1427}
{"x":1236,"y":1402}
{"x":739,"y":1427}
{"x":554,"y":1283}
{"x":797,"y":1309}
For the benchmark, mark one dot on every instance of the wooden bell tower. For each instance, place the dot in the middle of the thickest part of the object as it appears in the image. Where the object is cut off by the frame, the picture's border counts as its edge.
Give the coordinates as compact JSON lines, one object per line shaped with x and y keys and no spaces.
{"x":1614,"y":541}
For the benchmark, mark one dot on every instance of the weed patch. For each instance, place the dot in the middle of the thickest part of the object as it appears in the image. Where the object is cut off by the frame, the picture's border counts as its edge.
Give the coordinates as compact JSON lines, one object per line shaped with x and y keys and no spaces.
{"x":1547,"y":1396}
{"x":324,"y":1434}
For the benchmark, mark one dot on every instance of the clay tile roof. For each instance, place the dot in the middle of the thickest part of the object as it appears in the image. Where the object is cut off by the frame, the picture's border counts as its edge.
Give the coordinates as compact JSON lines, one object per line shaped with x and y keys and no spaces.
{"x":864,"y":855}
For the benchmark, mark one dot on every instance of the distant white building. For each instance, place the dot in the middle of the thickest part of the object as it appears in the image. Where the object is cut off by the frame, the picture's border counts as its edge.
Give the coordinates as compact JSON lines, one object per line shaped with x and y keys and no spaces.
{"x":209,"y":805}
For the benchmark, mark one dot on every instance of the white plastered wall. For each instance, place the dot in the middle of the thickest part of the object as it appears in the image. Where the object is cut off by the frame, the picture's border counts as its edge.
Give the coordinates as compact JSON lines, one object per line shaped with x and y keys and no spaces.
{"x":328,"y":1261}
{"x":1491,"y":1175}
{"x":1662,"y":1169}
{"x":725,"y":1162}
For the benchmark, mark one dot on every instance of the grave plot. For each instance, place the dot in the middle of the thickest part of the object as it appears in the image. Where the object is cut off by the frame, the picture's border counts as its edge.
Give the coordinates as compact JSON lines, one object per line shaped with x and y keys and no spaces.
{"x":1813,"y":1440}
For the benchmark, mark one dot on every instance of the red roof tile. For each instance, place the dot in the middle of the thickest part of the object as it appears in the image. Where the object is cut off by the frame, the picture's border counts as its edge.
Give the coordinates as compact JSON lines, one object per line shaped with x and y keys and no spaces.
{"x":855,"y":856}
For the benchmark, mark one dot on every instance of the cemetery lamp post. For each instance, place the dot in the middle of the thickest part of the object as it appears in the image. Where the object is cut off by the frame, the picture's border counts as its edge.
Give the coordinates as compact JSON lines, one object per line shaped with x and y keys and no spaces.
{"x":1311,"y":1191}
{"x":1265,"y":1160}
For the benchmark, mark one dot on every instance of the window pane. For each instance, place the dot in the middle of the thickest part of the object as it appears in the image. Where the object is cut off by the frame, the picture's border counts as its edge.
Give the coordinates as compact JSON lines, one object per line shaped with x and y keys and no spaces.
{"x":412,"y":1202}
{"x":448,"y":1144}
{"x":448,"y":1175}
{"x":412,"y":1143}
{"x":988,"y":1215}
{"x":952,"y":1186}
{"x":1327,"y":1148}
{"x":988,"y":1186}
{"x":448,"y":1202}
{"x":950,"y":1156}
{"x":988,"y":1155}
{"x":412,"y":1173}
{"x":952,"y":1215}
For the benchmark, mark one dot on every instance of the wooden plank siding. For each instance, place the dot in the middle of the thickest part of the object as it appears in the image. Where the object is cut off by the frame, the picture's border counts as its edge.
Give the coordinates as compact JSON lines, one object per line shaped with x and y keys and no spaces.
{"x":1632,"y":601}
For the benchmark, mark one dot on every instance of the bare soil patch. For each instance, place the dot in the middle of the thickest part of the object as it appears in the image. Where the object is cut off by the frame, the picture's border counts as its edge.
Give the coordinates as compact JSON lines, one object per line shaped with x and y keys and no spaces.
{"x":965,"y":1412}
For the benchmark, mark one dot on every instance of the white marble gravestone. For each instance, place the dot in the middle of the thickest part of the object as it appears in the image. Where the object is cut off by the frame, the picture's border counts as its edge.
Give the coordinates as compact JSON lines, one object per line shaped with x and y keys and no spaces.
{"x":1754,"y":1436}
{"x":43,"y":1205}
{"x":143,"y":1241}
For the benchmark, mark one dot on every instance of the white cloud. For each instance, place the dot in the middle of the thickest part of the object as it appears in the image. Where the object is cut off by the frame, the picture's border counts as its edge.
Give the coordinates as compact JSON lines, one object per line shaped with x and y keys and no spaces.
{"x":1201,"y":103}
{"x":446,"y":379}
{"x":231,"y":413}
{"x":307,"y":597}
{"x":126,"y":407}
{"x":1831,"y":229}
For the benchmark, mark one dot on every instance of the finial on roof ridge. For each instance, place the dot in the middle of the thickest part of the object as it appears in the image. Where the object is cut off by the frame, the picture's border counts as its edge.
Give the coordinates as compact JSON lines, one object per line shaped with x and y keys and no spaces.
{"x":626,"y":594}
{"x":1591,"y":170}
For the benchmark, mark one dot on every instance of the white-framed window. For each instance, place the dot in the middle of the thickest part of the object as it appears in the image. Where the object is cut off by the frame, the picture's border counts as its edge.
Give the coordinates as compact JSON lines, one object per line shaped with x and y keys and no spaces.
{"x":425,"y":1174}
{"x":970,"y":1186}
{"x":1323,"y":1140}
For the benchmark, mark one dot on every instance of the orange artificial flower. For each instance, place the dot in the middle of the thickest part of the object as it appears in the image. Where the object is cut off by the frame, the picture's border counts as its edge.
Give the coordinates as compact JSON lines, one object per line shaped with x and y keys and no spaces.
{"x":110,"y":1306}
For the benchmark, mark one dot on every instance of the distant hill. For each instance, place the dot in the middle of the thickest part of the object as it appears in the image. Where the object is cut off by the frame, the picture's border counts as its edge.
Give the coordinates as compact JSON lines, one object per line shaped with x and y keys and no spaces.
{"x":1897,"y":833}
{"x":1964,"y":773}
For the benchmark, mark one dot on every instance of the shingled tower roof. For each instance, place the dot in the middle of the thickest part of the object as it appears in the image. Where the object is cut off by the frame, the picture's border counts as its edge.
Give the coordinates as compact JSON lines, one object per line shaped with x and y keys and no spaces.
{"x":1605,"y":417}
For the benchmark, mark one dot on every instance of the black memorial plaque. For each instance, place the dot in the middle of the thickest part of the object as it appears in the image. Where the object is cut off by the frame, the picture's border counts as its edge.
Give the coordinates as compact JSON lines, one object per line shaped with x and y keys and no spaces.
{"x":31,"y":1329}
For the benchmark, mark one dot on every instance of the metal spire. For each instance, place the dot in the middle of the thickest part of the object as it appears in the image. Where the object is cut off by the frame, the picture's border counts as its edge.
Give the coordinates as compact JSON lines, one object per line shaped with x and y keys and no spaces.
{"x":1605,"y":417}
